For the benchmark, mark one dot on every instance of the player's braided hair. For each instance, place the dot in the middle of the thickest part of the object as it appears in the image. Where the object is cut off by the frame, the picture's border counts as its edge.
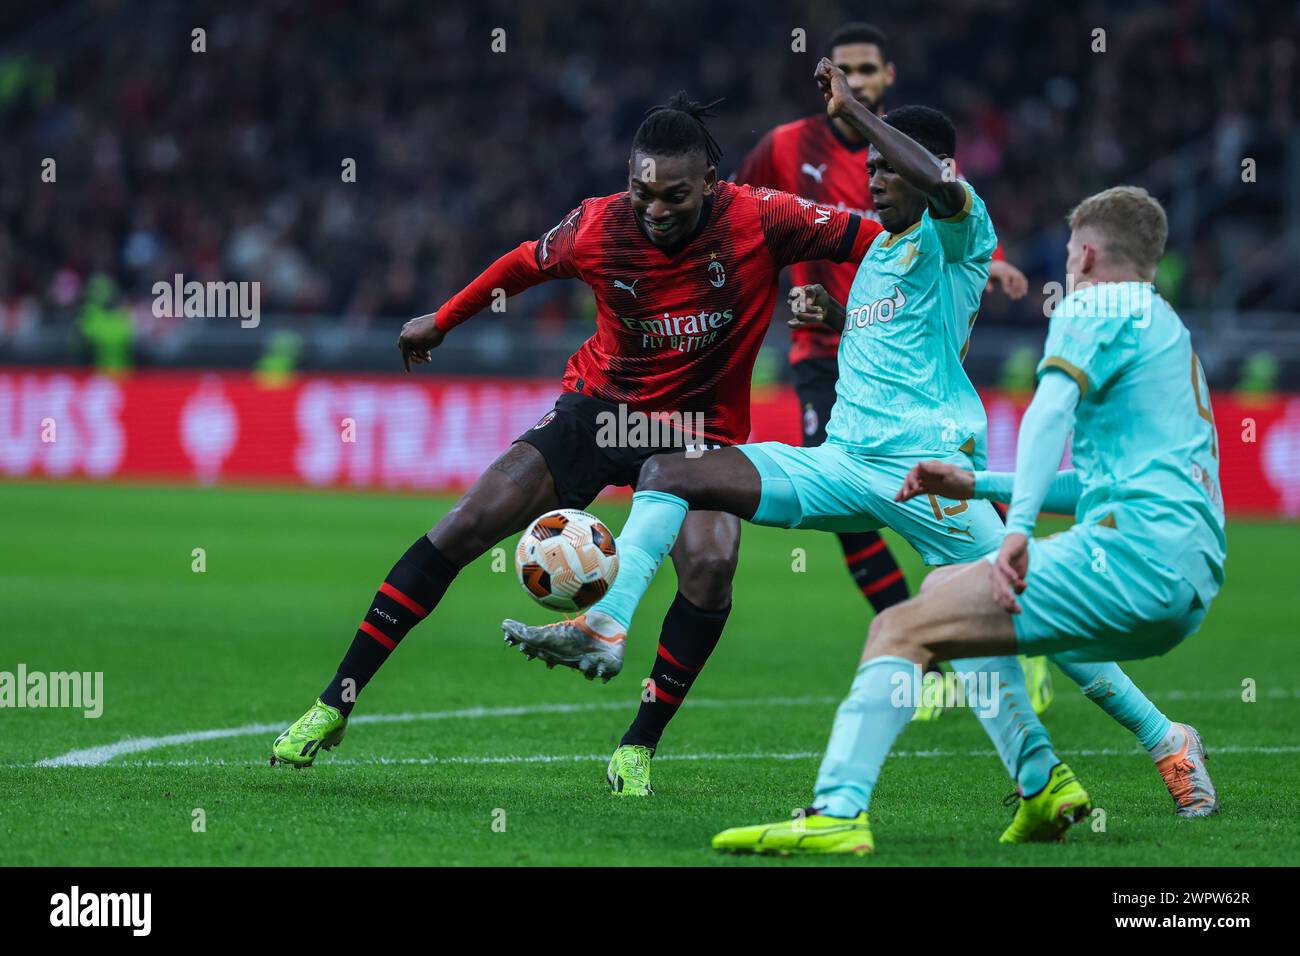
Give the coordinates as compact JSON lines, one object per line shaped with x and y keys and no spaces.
{"x":677,"y":127}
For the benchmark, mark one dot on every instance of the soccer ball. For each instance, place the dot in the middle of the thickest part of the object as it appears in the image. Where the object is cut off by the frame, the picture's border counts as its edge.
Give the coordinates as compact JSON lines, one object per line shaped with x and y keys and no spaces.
{"x":566,"y":560}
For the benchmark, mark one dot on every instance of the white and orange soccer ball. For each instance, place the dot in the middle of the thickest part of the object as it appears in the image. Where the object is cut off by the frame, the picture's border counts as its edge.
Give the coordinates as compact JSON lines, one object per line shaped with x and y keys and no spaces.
{"x":566,"y":560}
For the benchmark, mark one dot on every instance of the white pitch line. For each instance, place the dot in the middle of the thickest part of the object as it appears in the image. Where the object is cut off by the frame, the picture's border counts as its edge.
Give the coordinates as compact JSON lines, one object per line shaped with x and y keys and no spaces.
{"x":95,"y":756}
{"x":103,"y":753}
{"x":601,"y":758}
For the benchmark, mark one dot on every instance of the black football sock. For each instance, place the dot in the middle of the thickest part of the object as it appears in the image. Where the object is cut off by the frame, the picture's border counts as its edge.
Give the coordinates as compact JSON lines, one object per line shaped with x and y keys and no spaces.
{"x":875,"y":572}
{"x":874,"y":569}
{"x":412,"y":589}
{"x":688,"y":637}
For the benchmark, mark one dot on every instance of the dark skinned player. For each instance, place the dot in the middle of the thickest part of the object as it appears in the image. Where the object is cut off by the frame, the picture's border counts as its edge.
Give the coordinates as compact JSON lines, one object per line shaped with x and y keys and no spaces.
{"x":821,"y":157}
{"x":684,"y":271}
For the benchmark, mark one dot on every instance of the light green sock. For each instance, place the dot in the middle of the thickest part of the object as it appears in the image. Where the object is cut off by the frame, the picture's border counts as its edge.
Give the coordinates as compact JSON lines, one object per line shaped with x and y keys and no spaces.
{"x":647,"y":538}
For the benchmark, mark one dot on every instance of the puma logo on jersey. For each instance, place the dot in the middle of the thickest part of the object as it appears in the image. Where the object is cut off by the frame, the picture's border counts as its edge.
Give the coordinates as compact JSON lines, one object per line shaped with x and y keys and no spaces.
{"x":814,"y":171}
{"x":546,"y":239}
{"x":631,"y":289}
{"x":882,"y":310}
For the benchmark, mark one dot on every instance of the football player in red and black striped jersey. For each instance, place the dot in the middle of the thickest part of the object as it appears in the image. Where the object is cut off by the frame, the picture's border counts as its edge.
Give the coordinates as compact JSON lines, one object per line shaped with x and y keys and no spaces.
{"x":684,"y":271}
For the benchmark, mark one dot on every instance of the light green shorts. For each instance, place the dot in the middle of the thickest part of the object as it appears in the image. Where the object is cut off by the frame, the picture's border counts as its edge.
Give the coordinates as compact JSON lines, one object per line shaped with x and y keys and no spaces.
{"x":831,"y":489}
{"x":1092,"y":594}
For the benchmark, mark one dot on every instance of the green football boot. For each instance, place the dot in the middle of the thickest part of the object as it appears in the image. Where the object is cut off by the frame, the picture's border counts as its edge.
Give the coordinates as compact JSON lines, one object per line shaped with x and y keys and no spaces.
{"x":808,"y":833}
{"x":320,"y":728}
{"x":1044,"y":817}
{"x":1038,"y":681}
{"x":629,"y":771}
{"x":930,"y":707}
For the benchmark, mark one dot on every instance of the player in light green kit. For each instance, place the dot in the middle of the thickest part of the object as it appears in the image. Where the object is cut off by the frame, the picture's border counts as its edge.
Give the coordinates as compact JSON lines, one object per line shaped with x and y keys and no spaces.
{"x":1133,"y":577}
{"x":902,"y":397}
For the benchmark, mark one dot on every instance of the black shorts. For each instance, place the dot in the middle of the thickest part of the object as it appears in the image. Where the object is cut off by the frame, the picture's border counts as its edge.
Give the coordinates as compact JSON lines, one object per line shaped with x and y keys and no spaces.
{"x":580,"y":464}
{"x":814,"y":383}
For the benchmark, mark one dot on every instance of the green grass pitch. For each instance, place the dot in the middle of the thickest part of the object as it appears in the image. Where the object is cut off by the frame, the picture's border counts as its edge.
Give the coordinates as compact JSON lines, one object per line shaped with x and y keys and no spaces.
{"x":460,"y":736}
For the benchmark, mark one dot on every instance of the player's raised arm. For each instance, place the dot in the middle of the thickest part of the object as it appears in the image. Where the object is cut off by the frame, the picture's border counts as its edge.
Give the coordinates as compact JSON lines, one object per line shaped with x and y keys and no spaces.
{"x":528,"y":264}
{"x":920,"y":167}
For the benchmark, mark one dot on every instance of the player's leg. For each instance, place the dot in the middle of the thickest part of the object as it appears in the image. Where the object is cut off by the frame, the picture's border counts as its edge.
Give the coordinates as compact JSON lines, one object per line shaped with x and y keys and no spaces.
{"x":1136,"y":597}
{"x":955,"y":620}
{"x":704,"y":558}
{"x":872,"y":567}
{"x":557,"y":463}
{"x":1175,"y":748}
{"x":724,"y":480}
{"x":1086,"y":613}
{"x":516,"y":488}
{"x":954,"y":533}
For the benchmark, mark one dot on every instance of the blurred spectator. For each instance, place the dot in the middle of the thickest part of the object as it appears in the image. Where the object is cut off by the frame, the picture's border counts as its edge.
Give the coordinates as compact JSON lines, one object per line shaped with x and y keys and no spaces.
{"x":230,"y":163}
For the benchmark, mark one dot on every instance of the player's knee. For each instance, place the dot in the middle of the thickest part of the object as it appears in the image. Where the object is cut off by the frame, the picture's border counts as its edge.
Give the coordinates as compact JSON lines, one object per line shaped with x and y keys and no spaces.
{"x":461,"y":534}
{"x":662,"y":473}
{"x":705,"y":580}
{"x":891,"y":636}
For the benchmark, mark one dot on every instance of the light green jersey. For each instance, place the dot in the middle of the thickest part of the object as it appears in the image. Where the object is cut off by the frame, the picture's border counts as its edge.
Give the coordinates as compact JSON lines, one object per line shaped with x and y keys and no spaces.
{"x":1145,"y":445}
{"x":902,"y":389}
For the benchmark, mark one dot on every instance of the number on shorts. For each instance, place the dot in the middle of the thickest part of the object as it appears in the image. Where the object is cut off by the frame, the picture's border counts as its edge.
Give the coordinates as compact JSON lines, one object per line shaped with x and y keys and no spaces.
{"x":1205,"y":411}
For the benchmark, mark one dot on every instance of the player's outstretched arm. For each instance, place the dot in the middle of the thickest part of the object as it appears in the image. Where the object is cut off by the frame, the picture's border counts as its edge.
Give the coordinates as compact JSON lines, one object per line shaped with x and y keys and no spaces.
{"x":511,"y":274}
{"x":1062,"y":494}
{"x":909,"y":159}
{"x":951,"y":481}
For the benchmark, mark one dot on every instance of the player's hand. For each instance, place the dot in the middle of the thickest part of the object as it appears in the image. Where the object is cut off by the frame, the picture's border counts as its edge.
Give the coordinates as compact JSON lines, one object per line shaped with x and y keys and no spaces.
{"x":810,"y":304}
{"x":419,"y":337}
{"x":1008,"y":277}
{"x":1009,"y":572}
{"x":834,"y":86}
{"x":937,"y":478}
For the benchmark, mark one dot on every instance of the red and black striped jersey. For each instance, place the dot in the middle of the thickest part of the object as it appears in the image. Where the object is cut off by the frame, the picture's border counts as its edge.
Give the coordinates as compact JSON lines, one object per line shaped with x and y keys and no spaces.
{"x":810,"y":158}
{"x":679,"y":331}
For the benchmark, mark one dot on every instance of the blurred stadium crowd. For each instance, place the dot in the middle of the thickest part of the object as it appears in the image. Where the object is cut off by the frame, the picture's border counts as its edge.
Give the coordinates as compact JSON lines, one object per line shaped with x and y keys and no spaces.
{"x":227,"y":164}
